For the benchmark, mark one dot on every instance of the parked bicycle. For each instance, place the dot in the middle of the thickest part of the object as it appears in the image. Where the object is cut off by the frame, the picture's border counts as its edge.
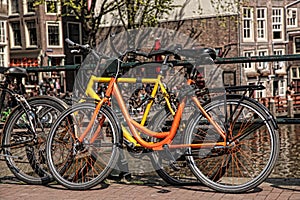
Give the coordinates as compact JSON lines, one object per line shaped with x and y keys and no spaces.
{"x":220,"y":142}
{"x":26,"y":128}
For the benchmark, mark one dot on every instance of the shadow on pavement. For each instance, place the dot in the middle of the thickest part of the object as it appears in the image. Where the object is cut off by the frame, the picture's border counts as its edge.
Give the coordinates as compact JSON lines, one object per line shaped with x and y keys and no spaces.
{"x":285,"y":183}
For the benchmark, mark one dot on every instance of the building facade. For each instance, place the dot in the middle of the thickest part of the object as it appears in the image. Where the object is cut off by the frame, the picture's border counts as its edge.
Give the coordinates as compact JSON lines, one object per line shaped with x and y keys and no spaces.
{"x":271,"y":28}
{"x":4,"y":45}
{"x":35,"y":36}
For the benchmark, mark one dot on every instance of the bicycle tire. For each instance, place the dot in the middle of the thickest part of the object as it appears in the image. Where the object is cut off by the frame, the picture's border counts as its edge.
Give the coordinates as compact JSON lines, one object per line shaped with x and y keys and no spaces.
{"x":30,"y":167}
{"x":81,"y":166}
{"x":161,"y":122}
{"x":260,"y":139}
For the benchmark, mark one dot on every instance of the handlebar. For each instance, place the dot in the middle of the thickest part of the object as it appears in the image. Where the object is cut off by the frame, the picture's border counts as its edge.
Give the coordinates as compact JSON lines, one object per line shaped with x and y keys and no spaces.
{"x":85,"y":47}
{"x":198,"y":54}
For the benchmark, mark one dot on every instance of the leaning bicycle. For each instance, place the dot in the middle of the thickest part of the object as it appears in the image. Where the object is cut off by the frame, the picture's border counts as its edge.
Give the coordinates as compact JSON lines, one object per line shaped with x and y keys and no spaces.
{"x":84,"y":143}
{"x":26,"y":128}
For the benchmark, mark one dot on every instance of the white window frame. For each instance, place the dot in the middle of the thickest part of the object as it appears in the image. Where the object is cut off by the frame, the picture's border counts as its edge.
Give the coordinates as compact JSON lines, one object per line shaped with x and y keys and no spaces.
{"x":56,"y":23}
{"x":10,"y":9}
{"x":3,"y":59}
{"x":25,"y":8}
{"x":277,"y":22}
{"x":248,"y":25}
{"x":57,"y":8}
{"x":12,"y":38}
{"x":282,"y":87}
{"x":261,"y":24}
{"x":3,"y":29}
{"x":297,"y":69}
{"x":2,"y":56}
{"x":249,"y":66}
{"x":278,"y":65}
{"x":258,"y":93}
{"x":261,"y":93}
{"x":294,"y":45}
{"x":263,"y":65}
{"x":292,"y":18}
{"x":27,"y":36}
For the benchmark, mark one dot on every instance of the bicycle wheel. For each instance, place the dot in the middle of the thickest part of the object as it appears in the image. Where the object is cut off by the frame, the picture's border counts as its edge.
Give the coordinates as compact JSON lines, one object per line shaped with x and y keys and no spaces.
{"x":82,"y":165}
{"x":251,"y":152}
{"x":27,"y":159}
{"x":181,"y":175}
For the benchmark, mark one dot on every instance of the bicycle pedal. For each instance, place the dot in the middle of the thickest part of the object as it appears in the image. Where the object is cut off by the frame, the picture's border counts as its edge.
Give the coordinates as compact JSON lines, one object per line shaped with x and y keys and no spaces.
{"x":125,"y":175}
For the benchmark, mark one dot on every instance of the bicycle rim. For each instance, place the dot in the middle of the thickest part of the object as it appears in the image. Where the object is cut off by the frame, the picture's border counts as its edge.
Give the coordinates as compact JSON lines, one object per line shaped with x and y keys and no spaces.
{"x":80,"y":166}
{"x":27,"y":160}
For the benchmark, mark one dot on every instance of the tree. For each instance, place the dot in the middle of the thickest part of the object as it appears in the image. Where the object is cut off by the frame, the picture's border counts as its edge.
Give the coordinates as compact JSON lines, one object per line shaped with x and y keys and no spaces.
{"x":137,"y":13}
{"x":90,"y":22}
{"x":127,"y":13}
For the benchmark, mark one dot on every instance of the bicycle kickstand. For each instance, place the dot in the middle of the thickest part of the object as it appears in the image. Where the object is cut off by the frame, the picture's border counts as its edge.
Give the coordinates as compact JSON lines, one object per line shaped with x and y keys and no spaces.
{"x":172,"y":162}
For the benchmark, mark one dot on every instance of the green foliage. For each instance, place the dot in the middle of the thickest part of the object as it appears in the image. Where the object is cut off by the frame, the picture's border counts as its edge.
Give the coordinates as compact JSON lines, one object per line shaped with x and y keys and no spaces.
{"x":127,"y":13}
{"x":139,"y":13}
{"x":223,"y":7}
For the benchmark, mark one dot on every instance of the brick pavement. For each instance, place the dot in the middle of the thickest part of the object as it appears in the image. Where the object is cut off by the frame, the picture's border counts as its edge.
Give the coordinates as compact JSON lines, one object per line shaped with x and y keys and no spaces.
{"x":272,"y":189}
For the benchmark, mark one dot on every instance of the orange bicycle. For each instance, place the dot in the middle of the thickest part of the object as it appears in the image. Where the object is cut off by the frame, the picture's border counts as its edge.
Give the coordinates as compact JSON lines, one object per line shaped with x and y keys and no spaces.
{"x":230,"y":143}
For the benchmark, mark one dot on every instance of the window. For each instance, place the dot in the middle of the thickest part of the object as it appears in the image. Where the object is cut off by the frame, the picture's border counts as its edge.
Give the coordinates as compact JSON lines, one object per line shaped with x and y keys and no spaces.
{"x":279,"y":64}
{"x":295,"y":72}
{"x":281,"y":87}
{"x":31,"y":37}
{"x":291,"y":17}
{"x":263,"y":65}
{"x":261,"y":23}
{"x":16,"y":32}
{"x":258,"y":93}
{"x":248,"y":66}
{"x":277,"y":25}
{"x":247,"y":23}
{"x":2,"y":56}
{"x":74,"y":32}
{"x":14,"y":6}
{"x":51,"y":6}
{"x":297,"y":45}
{"x":29,"y":6}
{"x":3,"y":32}
{"x":53,"y":34}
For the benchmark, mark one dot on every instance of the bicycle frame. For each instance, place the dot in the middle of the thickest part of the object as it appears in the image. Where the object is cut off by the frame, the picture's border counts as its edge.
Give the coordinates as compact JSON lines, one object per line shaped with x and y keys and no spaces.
{"x":26,"y":107}
{"x":157,"y":85}
{"x":134,"y":126}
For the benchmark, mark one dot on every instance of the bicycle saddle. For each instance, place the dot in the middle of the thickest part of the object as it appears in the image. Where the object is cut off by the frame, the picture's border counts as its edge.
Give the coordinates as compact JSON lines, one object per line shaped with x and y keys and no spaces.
{"x":15,"y":72}
{"x":198,"y":53}
{"x":191,"y":53}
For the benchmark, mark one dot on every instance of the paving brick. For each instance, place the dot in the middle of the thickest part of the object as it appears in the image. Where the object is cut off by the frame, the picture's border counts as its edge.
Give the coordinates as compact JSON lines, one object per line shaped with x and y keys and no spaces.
{"x":121,"y":191}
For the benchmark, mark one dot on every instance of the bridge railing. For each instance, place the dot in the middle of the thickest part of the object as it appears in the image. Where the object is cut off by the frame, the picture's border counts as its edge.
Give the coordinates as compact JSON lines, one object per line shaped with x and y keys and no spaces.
{"x":282,"y":106}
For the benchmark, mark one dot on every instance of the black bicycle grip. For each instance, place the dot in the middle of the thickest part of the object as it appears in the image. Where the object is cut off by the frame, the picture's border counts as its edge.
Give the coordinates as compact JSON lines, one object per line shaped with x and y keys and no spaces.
{"x":139,"y":53}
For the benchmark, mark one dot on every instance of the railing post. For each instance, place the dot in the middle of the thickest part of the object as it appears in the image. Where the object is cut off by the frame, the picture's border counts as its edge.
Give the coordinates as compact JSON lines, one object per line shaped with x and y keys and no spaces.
{"x":272,"y":106}
{"x":290,"y":107}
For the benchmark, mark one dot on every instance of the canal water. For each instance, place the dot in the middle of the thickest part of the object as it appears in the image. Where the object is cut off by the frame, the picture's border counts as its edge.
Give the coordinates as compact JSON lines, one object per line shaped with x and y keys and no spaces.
{"x":288,"y":165}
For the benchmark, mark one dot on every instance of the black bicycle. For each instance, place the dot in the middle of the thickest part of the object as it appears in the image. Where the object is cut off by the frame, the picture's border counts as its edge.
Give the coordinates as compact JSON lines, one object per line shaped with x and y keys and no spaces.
{"x":25,"y":130}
